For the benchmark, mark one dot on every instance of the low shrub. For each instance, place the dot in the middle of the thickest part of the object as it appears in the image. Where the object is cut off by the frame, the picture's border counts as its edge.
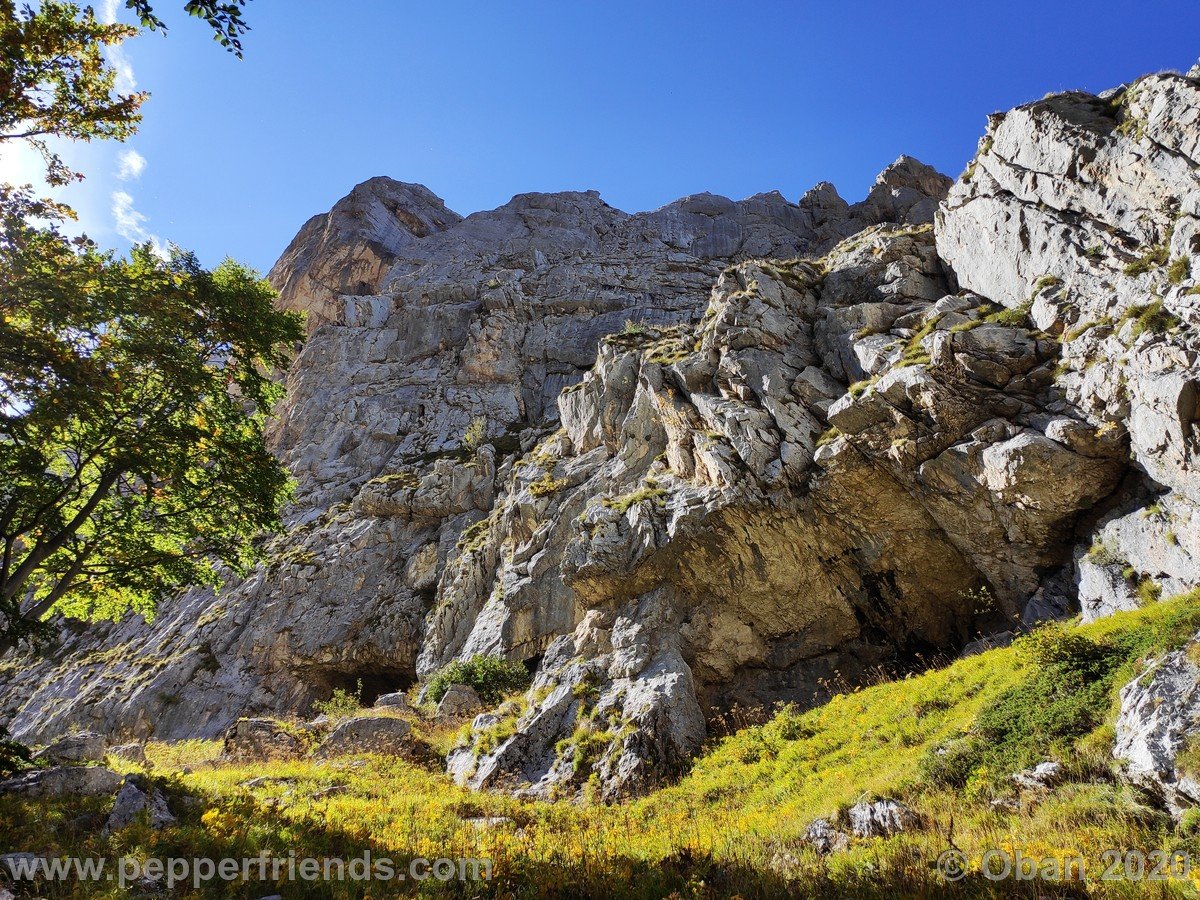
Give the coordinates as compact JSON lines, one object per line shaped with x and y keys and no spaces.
{"x":14,"y":756}
{"x":492,"y":677}
{"x":342,"y":703}
{"x":1152,"y":317}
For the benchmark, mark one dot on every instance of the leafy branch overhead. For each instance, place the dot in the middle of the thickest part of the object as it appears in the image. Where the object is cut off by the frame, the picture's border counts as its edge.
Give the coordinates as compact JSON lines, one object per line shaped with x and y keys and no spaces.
{"x":225,"y":18}
{"x":56,"y":80}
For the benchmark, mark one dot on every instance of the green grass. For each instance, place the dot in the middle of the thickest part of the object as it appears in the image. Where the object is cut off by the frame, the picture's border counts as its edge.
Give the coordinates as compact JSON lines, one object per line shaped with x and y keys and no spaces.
{"x":1155,"y":257}
{"x":647,"y":492}
{"x":1151,"y":317}
{"x":546,"y":485}
{"x":1180,"y":270}
{"x":914,"y":351}
{"x":1018,"y":316}
{"x":829,"y":435}
{"x":859,"y":388}
{"x":732,"y":825}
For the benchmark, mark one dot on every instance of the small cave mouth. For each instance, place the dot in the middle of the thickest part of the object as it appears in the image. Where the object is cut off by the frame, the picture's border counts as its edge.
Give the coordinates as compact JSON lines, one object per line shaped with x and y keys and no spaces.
{"x":368,"y":683}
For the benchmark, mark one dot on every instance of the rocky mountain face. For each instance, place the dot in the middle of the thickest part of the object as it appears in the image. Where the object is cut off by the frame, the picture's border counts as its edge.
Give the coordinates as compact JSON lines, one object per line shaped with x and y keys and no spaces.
{"x":724,"y":453}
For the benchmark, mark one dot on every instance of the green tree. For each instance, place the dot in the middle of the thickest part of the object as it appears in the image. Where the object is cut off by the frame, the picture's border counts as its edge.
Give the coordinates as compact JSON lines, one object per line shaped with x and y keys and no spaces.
{"x":55,"y":80}
{"x":133,"y":394}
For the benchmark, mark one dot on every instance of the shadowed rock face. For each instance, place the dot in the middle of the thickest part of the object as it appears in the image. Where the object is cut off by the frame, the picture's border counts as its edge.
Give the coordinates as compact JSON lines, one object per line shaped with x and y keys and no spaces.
{"x":736,"y":452}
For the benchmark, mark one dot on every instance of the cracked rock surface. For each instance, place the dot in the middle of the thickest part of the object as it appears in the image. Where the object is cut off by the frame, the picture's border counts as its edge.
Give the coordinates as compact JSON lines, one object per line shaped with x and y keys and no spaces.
{"x":723,"y":453}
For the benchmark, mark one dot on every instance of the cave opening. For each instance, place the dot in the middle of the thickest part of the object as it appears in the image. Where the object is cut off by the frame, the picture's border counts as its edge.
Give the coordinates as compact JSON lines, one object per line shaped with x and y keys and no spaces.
{"x":372,"y":681}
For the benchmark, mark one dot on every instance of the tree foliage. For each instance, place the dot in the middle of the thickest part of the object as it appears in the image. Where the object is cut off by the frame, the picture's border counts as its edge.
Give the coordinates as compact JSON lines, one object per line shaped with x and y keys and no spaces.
{"x":56,"y":82}
{"x":133,"y":394}
{"x":223,"y":16}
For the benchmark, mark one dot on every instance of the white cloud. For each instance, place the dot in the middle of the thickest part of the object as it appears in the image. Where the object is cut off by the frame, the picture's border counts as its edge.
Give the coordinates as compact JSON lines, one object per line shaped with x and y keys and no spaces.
{"x":131,"y":224}
{"x":91,"y":199}
{"x":126,"y":83}
{"x":130,"y":165}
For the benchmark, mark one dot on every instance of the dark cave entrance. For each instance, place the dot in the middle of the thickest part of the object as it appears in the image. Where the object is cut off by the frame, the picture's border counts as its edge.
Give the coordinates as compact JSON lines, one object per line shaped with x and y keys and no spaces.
{"x":375,"y":681}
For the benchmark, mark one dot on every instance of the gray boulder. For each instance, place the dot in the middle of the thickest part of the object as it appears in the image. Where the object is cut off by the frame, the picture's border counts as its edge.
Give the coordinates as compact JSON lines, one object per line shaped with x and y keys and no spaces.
{"x":83,"y":747}
{"x":397,"y":700}
{"x":254,"y":740}
{"x":368,"y":734}
{"x":134,"y":753}
{"x":1044,"y":775}
{"x":459,"y":702}
{"x":880,"y":818}
{"x":64,"y":781}
{"x":824,"y":837}
{"x":137,"y":797}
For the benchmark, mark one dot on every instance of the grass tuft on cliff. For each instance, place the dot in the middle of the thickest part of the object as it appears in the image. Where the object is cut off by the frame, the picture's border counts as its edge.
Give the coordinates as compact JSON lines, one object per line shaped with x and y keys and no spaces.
{"x":945,"y":742}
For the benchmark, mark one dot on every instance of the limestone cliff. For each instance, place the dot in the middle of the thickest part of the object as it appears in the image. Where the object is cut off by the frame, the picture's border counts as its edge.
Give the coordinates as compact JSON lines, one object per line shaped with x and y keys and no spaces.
{"x":735,"y":452}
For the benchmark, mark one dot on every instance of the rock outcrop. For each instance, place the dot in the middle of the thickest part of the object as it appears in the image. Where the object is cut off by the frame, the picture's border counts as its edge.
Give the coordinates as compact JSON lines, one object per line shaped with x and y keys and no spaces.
{"x":64,"y":781}
{"x":478,"y":322}
{"x":368,"y":734}
{"x":72,"y":749}
{"x":1085,"y":212}
{"x":724,"y":453}
{"x":1158,"y":729}
{"x":260,"y":739}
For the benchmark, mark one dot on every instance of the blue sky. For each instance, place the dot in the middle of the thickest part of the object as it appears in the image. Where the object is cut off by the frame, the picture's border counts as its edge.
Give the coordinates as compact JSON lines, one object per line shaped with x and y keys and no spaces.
{"x":644,"y":101}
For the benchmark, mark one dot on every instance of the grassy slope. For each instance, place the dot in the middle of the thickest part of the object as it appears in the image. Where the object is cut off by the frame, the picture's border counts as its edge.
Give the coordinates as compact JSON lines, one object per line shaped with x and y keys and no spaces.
{"x":732,"y":825}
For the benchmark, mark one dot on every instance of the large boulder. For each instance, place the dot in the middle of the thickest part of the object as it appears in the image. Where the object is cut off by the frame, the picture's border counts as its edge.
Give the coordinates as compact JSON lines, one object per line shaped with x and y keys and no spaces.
{"x":137,"y":798}
{"x":134,"y":753}
{"x":385,"y":735}
{"x":254,"y":740}
{"x":459,"y":702}
{"x":880,"y":818}
{"x":64,"y":781}
{"x":73,"y":749}
{"x":398,"y":700}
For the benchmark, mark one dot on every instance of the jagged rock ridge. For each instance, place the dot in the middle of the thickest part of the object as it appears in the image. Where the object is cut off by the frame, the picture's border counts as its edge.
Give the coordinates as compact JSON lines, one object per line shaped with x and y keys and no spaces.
{"x":422,"y":322}
{"x":857,"y":459}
